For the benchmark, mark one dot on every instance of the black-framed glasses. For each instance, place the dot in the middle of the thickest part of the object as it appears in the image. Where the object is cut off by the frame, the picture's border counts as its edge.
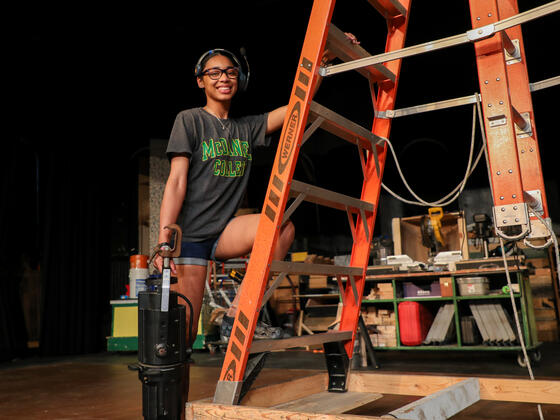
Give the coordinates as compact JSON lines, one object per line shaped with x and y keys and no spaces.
{"x":215,"y":73}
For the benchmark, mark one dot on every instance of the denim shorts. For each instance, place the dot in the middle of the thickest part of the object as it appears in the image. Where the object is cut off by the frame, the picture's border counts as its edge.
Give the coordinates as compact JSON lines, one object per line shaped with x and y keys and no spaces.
{"x":197,"y":253}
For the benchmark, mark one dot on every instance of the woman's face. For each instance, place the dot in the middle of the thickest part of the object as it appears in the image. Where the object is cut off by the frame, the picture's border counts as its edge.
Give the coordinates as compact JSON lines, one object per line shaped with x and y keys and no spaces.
{"x":224,"y":87}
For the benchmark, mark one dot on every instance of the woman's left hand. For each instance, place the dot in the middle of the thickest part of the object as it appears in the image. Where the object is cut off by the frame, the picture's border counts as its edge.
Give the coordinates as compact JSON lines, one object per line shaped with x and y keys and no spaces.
{"x":329,"y":56}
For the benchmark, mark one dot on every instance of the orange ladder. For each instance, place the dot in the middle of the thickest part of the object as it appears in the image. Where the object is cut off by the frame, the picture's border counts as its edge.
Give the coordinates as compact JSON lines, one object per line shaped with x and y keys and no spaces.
{"x":513,"y":153}
{"x":513,"y":159}
{"x":321,"y":34}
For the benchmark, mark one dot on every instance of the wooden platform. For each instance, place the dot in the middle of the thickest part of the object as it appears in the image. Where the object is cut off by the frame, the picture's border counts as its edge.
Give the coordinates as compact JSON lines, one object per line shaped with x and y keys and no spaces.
{"x":306,"y":398}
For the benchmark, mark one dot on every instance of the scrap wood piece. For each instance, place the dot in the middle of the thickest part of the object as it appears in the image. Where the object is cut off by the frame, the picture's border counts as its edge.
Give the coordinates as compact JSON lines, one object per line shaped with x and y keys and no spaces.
{"x":494,"y":389}
{"x":326,"y":402}
{"x":211,"y":411}
{"x":442,"y":404}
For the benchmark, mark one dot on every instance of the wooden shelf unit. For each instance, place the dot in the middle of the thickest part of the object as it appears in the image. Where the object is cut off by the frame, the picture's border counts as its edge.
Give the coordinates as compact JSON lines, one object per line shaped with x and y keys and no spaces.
{"x":497,"y":276}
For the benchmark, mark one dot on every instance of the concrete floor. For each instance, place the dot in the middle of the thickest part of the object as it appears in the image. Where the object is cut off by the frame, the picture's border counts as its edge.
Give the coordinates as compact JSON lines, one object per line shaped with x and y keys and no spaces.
{"x":100,"y":386}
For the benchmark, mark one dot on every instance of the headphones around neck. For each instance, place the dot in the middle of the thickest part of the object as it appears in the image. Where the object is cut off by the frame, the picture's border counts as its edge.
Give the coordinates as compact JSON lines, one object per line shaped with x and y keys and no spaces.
{"x":243,"y":77}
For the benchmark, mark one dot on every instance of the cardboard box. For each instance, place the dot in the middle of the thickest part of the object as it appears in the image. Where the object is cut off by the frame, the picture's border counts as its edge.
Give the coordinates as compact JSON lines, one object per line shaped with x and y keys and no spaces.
{"x":317,"y":282}
{"x":446,"y":286}
{"x":407,"y":236}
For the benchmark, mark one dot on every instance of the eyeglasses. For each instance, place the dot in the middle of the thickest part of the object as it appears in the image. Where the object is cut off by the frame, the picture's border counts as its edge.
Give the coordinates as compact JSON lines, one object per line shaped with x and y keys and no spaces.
{"x":216,"y":73}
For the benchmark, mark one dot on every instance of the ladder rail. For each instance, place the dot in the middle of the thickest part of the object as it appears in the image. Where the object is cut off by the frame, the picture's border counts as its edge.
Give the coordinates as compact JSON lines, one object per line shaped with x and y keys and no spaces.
{"x":526,"y":131}
{"x":451,"y":41}
{"x":463,"y":100}
{"x":254,"y":284}
{"x":300,"y":107}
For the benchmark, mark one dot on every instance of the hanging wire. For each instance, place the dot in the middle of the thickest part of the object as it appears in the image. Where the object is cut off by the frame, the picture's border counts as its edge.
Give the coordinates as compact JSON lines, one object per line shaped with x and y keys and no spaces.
{"x":454,"y":194}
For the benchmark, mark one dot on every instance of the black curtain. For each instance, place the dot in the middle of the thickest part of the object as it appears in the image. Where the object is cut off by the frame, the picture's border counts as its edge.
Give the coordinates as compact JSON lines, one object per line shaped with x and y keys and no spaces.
{"x":76,"y":255}
{"x":17,"y":242}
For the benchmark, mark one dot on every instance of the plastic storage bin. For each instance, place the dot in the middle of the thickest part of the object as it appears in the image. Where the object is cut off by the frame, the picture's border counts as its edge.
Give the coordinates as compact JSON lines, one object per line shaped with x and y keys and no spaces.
{"x":414,"y":323}
{"x":469,"y":286}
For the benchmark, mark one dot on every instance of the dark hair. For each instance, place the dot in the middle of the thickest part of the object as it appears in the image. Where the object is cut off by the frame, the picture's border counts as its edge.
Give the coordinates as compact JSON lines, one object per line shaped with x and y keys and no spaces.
{"x":243,"y":77}
{"x":213,"y":53}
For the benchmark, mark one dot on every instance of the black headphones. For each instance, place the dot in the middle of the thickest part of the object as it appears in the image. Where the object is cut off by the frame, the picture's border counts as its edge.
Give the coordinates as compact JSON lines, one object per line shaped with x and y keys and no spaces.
{"x":243,"y":77}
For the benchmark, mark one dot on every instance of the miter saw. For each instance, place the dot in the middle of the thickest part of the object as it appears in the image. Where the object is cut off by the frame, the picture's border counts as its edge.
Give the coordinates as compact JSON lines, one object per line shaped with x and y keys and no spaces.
{"x":432,"y":237}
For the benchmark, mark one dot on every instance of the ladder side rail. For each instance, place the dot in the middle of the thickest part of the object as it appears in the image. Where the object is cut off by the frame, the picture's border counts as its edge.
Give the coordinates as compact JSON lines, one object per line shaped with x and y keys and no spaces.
{"x":371,"y":190}
{"x":464,"y":100}
{"x":482,"y":32}
{"x":251,"y":293}
{"x":527,"y":144}
{"x":504,"y":168}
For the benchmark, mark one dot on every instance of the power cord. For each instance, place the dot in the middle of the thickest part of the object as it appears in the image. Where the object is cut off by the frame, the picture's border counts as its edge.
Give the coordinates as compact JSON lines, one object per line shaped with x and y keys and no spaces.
{"x":517,"y":323}
{"x":454,"y":194}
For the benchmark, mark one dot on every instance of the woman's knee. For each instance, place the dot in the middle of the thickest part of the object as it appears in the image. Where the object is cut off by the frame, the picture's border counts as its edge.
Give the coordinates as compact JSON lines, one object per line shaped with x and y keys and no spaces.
{"x":288,"y":232}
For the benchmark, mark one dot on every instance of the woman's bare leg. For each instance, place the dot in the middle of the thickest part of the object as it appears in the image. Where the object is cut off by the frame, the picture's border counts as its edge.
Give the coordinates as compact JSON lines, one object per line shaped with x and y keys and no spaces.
{"x":237,"y":240}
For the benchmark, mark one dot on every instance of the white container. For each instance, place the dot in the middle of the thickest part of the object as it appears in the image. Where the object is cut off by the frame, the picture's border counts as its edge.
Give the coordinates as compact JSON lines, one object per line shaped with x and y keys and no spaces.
{"x":137,"y":281}
{"x":469,"y":286}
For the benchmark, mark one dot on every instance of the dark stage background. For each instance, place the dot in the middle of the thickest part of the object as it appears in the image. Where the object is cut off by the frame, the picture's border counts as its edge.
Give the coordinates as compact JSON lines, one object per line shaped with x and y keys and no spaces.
{"x":89,"y":85}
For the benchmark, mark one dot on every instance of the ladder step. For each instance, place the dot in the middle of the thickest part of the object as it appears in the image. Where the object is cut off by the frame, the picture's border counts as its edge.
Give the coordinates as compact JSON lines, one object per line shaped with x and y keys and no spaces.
{"x":328,"y":198}
{"x":388,"y":8}
{"x":260,"y":346}
{"x":346,"y":51}
{"x":326,"y":402}
{"x":318,"y":269}
{"x":343,"y":127}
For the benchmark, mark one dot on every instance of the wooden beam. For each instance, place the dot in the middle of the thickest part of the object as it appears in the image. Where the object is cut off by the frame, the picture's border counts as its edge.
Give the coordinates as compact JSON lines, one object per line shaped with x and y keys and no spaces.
{"x":326,"y":402}
{"x":494,"y":389}
{"x":212,"y":411}
{"x":271,"y":395}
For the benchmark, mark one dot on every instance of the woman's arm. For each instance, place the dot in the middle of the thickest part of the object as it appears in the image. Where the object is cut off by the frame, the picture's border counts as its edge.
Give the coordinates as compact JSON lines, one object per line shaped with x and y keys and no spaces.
{"x":173,"y":197}
{"x":276,"y":119}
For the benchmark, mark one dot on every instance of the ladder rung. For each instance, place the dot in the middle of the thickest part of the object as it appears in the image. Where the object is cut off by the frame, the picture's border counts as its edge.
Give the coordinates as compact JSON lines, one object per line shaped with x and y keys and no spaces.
{"x":260,"y":346}
{"x":319,"y":269}
{"x":346,"y":51}
{"x":388,"y":8}
{"x":343,"y":127}
{"x":328,"y":198}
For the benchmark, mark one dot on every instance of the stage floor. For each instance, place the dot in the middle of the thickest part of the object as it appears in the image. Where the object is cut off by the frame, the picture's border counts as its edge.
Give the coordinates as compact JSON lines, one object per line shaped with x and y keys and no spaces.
{"x":101,"y":386}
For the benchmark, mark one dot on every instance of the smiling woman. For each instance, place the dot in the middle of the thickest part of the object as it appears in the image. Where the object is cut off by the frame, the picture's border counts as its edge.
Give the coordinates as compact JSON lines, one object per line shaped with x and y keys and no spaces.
{"x":211,"y":156}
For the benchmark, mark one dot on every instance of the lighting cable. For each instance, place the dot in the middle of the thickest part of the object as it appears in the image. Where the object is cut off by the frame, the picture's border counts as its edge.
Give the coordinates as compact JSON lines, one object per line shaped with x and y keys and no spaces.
{"x":454,"y":194}
{"x":517,"y":323}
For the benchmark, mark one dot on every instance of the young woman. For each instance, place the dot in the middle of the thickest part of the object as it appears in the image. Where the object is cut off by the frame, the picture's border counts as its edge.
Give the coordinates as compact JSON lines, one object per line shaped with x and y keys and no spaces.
{"x":211,"y":156}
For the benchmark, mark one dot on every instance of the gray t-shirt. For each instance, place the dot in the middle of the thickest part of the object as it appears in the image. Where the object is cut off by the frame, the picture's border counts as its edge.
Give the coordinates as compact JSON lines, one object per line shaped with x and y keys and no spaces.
{"x":220,"y":155}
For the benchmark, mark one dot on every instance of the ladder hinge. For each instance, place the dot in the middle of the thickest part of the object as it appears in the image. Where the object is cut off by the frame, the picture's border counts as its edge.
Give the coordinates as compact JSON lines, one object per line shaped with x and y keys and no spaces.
{"x":511,"y":215}
{"x":515,"y":55}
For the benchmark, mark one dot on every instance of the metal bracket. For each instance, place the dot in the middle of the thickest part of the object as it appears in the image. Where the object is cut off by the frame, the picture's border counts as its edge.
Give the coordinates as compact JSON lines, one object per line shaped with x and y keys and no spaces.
{"x":389,"y":113}
{"x":527,"y":129}
{"x":534,"y":200}
{"x":481,"y":33}
{"x":227,"y":392}
{"x":165,"y":286}
{"x":515,"y":57}
{"x":497,"y":120}
{"x":511,"y":215}
{"x":539,"y":230}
